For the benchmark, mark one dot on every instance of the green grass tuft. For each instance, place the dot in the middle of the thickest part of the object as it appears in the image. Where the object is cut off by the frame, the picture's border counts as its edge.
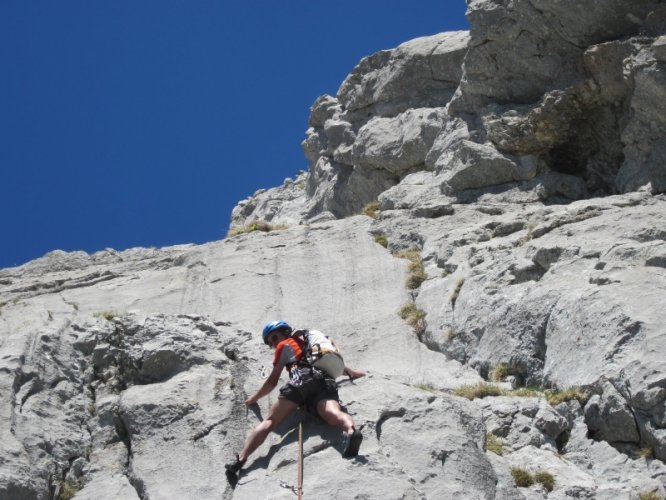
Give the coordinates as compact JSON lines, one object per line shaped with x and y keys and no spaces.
{"x":381,"y":239}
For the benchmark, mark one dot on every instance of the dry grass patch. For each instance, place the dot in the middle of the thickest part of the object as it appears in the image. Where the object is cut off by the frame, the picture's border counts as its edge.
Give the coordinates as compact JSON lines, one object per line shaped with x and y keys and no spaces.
{"x":415,"y":272}
{"x":426,"y":387}
{"x":371,"y":209}
{"x":414,"y":316}
{"x":68,"y":490}
{"x":650,"y":495}
{"x":525,"y":392}
{"x":256,"y":225}
{"x":494,"y":444}
{"x":107,"y":315}
{"x":478,"y":391}
{"x":456,"y":291}
{"x":528,"y":234}
{"x":555,"y":397}
{"x":484,"y":390}
{"x":500,"y":372}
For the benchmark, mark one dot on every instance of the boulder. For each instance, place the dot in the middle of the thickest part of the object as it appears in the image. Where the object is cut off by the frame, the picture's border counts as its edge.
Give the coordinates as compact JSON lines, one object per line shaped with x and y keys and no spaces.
{"x":609,"y":418}
{"x":420,"y":73}
{"x":398,"y":144}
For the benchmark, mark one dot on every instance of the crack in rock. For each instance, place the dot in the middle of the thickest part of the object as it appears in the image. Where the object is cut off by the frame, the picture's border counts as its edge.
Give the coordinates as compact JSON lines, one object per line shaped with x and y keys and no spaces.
{"x":386,"y":414}
{"x":207,"y":430}
{"x":124,"y":435}
{"x":59,"y":285}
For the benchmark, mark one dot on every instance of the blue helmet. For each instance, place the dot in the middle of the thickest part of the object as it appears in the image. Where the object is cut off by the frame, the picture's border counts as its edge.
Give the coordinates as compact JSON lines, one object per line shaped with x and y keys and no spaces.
{"x":273,"y":326}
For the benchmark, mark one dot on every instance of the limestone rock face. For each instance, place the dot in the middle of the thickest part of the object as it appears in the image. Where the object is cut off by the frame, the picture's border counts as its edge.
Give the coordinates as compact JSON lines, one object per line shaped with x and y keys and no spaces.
{"x":505,"y":292}
{"x":124,"y":373}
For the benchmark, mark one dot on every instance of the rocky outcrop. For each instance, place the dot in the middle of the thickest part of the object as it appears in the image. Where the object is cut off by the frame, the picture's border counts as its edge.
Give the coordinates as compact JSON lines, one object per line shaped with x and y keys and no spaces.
{"x":380,"y":127}
{"x":515,"y":255}
{"x":561,"y":101}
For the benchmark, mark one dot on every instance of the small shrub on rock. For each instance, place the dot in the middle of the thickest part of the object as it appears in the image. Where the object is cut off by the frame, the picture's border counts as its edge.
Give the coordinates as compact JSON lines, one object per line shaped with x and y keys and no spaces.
{"x":522,"y":478}
{"x":546,"y":479}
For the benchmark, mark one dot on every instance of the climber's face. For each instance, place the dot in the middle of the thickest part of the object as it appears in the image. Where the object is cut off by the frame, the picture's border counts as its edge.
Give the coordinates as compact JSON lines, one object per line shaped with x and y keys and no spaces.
{"x":276,"y":337}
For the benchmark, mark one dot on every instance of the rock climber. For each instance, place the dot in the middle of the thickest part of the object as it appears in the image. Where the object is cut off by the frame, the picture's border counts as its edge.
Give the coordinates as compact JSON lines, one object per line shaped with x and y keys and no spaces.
{"x":307,"y":387}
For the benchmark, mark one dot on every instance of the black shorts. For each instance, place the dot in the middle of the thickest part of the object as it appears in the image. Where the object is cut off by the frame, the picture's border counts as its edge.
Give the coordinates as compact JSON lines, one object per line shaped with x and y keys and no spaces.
{"x":310,"y":392}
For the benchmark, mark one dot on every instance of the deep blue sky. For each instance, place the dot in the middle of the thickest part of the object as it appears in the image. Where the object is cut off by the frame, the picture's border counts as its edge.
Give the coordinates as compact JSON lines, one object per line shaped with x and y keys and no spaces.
{"x":143,"y":122}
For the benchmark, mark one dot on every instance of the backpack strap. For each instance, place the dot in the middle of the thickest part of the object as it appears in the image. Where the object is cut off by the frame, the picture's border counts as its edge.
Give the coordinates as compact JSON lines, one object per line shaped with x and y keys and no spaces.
{"x":307,"y":357}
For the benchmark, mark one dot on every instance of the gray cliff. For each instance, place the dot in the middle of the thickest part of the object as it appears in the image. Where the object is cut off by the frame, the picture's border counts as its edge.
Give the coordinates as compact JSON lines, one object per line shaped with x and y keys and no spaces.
{"x":484,"y":215}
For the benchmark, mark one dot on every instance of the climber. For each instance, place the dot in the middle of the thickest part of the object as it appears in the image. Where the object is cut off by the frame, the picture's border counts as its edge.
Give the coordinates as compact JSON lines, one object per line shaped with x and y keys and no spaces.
{"x":307,"y":387}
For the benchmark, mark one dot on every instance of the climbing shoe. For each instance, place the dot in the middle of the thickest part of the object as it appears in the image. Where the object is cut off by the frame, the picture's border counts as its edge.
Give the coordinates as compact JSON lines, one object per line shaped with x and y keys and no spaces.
{"x":233,"y":471}
{"x":353,"y":445}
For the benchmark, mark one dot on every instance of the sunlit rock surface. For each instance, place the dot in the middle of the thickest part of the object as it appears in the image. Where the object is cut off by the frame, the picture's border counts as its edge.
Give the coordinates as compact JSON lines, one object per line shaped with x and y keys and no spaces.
{"x":522,"y":161}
